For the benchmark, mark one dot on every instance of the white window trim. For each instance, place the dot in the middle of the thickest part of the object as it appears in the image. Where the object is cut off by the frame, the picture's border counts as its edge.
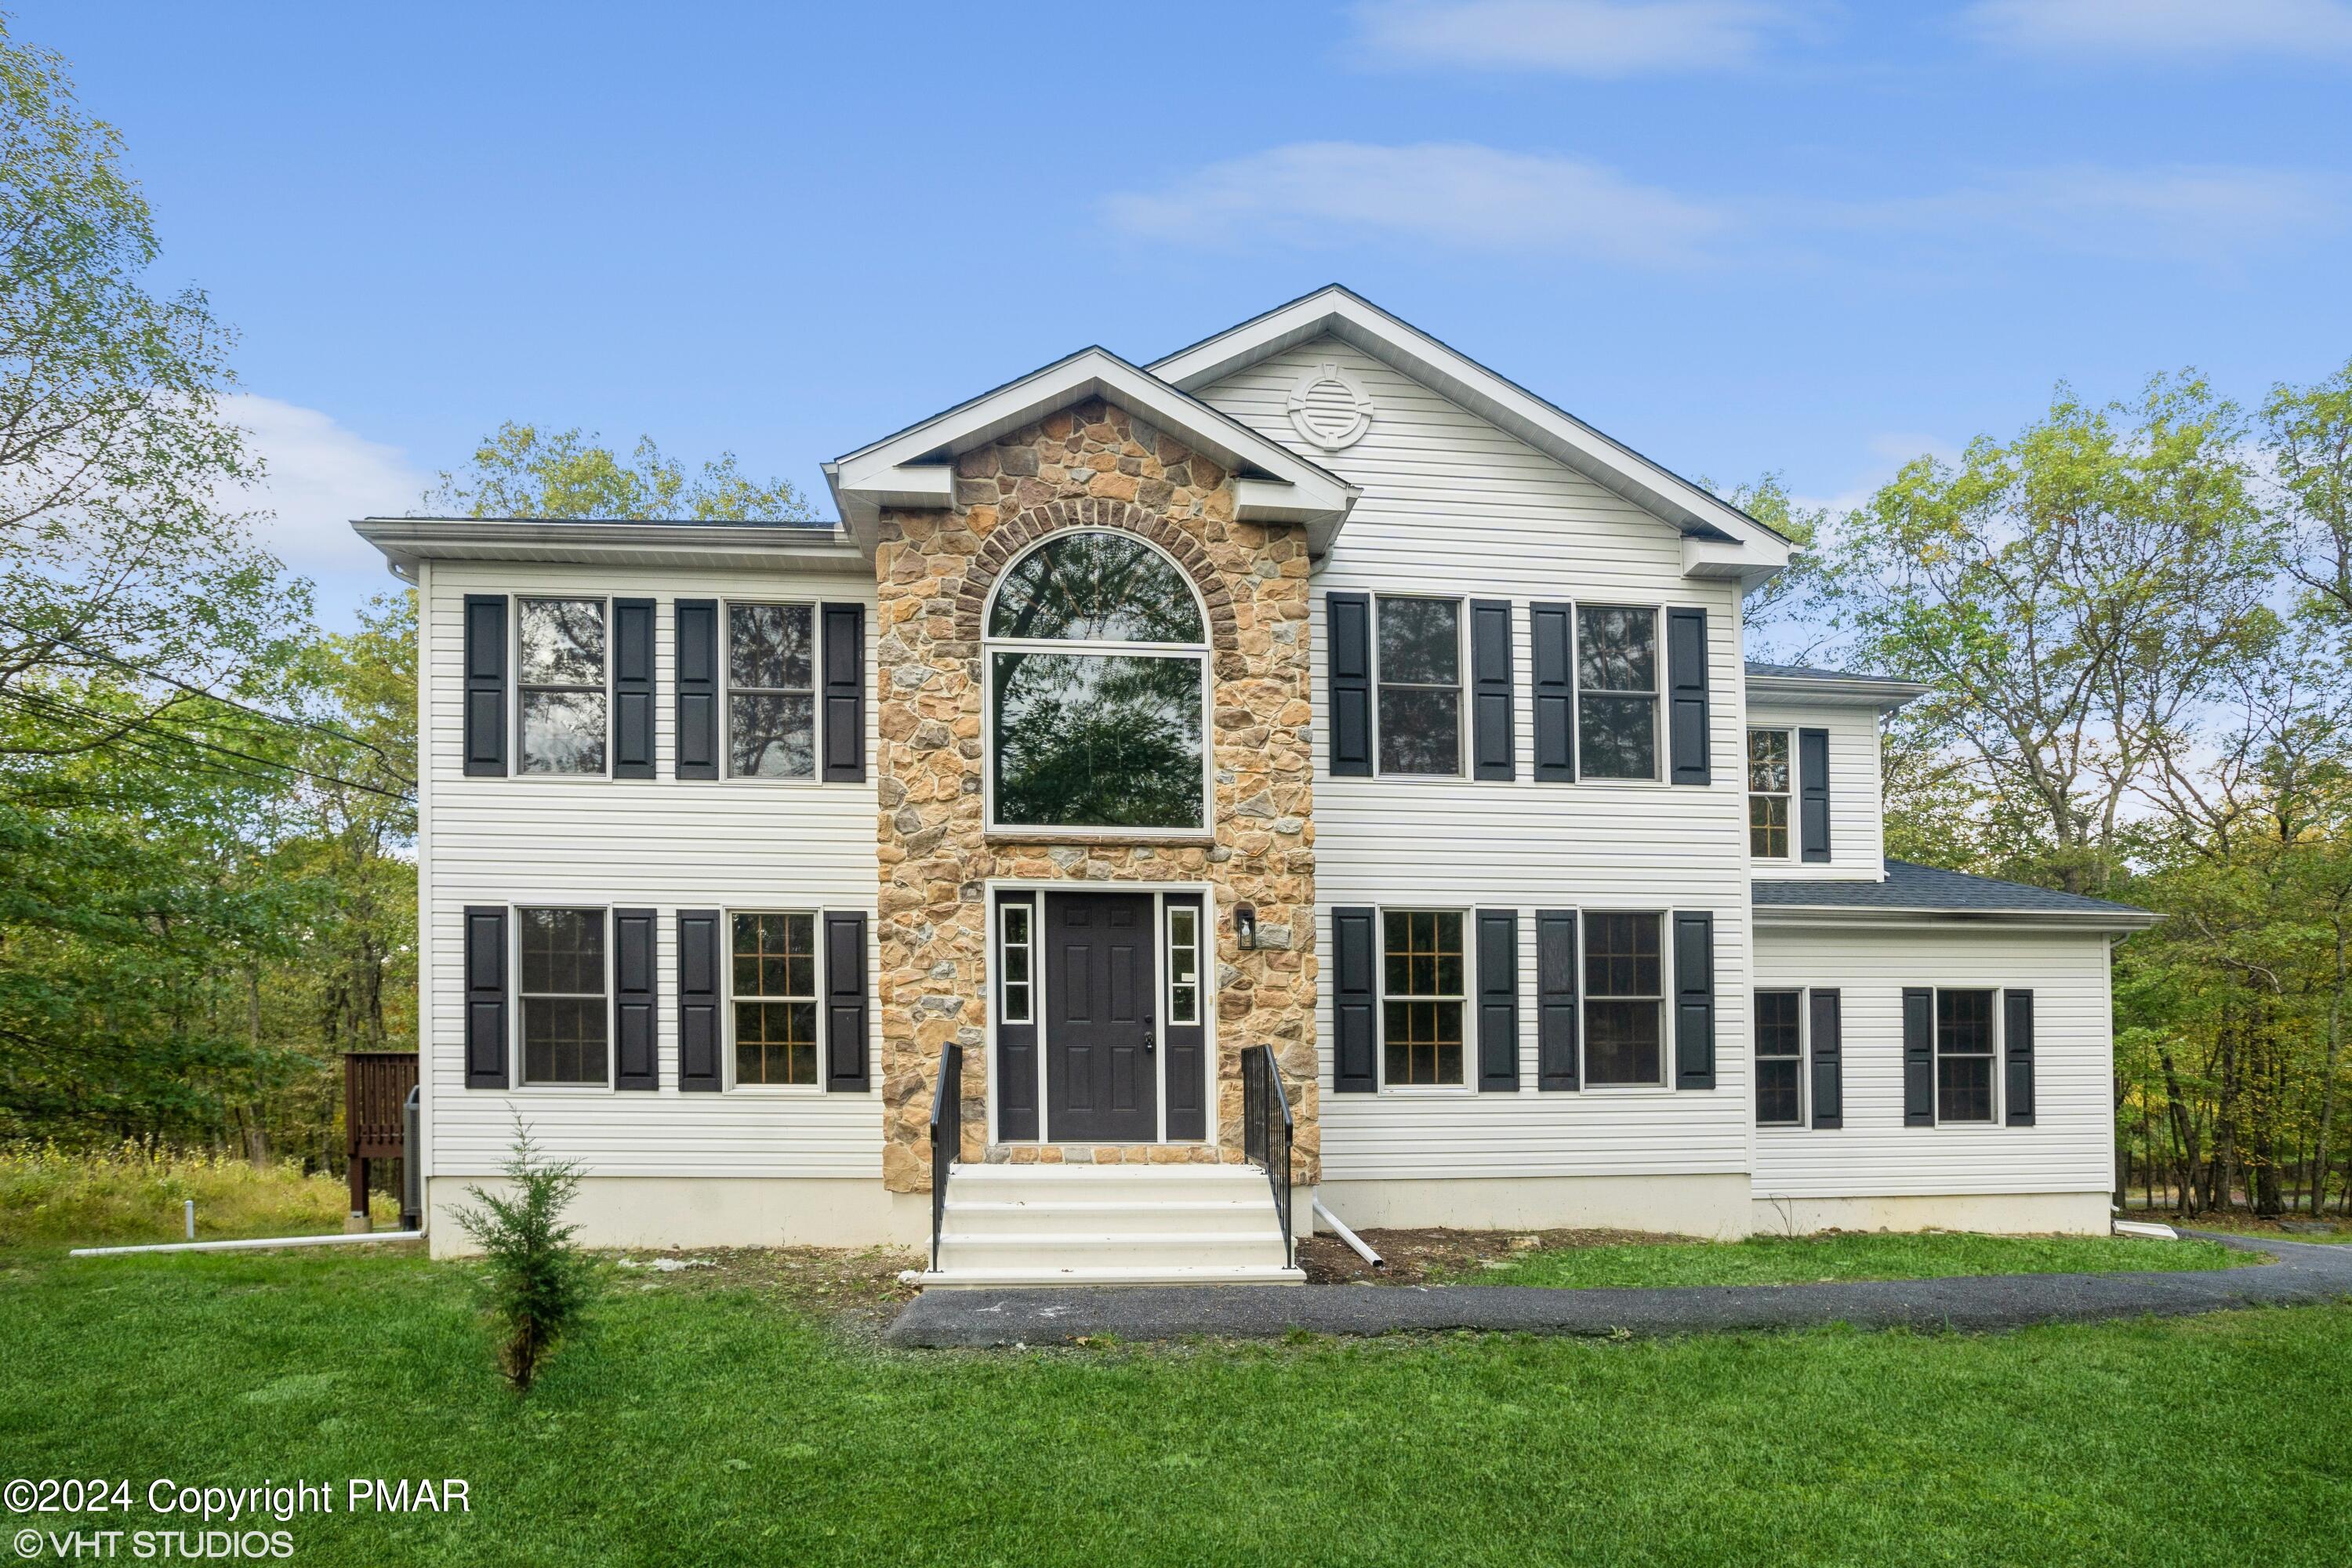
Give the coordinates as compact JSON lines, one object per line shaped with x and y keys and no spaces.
{"x":1461,"y":688}
{"x":1469,"y":1010}
{"x":1002,"y":1011}
{"x":727,"y":1004}
{"x":2000,"y":1024}
{"x":515,"y":602}
{"x":517,"y":1080}
{"x":1198,"y":653}
{"x":1657,"y":693}
{"x":816,"y":701}
{"x":1804,"y":994}
{"x":1664,"y":1082}
{"x":1789,"y":734}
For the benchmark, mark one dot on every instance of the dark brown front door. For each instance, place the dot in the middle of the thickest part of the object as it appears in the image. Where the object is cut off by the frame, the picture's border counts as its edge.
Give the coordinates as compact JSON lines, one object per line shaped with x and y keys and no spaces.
{"x":1102,"y":1064}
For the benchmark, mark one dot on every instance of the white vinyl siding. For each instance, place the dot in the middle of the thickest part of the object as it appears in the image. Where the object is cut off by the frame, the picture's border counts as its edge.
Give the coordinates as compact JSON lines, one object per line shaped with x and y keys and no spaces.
{"x":2070,"y":1145}
{"x":1452,"y":506}
{"x":661,"y":844}
{"x":1857,"y":839}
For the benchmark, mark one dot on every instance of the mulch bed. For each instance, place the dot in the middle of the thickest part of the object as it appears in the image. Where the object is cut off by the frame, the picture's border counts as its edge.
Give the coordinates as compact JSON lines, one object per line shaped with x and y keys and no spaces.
{"x":1434,"y":1256}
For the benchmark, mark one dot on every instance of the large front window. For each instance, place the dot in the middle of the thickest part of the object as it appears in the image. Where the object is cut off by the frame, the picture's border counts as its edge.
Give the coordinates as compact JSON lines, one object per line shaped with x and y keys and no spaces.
{"x":773,"y":986}
{"x":1097,"y":659}
{"x":1421,"y":994}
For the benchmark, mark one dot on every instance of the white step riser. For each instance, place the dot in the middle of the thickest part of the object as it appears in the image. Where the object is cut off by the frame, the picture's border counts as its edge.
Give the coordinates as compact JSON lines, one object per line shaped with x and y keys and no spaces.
{"x":1049,"y":1254}
{"x":971,"y":1218}
{"x":1014,"y":1278}
{"x":985,"y":1186}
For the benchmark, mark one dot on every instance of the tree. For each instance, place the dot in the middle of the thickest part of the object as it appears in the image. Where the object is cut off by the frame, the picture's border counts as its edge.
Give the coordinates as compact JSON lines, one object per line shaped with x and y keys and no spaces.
{"x":2307,"y":436}
{"x":117,"y":556}
{"x":2073,"y":595}
{"x":1781,"y":614}
{"x":519,"y":471}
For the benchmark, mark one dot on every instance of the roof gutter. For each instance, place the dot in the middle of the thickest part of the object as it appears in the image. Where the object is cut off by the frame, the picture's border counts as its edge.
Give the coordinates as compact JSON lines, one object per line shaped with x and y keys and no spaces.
{"x":1850,"y":916}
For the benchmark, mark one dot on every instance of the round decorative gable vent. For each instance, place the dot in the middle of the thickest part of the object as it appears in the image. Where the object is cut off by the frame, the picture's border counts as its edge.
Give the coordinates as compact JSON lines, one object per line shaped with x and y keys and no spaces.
{"x":1330,"y":408}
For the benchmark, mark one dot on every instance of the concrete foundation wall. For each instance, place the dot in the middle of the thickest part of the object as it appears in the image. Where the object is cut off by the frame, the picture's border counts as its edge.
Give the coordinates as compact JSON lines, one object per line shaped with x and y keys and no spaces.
{"x":2014,"y":1214}
{"x":706,"y":1211}
{"x":1705,"y":1205}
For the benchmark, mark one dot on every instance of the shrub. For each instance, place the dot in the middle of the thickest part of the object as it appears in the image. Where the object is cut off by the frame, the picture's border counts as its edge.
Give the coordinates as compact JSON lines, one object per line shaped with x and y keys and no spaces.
{"x":537,"y":1282}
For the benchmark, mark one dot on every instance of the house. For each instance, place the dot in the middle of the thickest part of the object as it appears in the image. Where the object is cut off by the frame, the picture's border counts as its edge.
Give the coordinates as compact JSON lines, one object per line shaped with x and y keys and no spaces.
{"x":1310,"y":766}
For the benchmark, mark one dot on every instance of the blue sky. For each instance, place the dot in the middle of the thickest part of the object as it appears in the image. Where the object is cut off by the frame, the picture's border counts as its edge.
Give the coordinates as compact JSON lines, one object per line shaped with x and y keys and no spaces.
{"x":1741,"y":235}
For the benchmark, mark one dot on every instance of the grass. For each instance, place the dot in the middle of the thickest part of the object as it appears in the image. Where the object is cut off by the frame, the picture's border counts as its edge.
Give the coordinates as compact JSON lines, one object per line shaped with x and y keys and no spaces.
{"x":1778,"y":1260}
{"x":716,"y":1417}
{"x":130,"y":1195}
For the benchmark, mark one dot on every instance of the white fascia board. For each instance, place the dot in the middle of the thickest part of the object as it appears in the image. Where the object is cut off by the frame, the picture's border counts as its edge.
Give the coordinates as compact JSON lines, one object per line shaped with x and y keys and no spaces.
{"x":1829,"y":916}
{"x":1829,"y":690}
{"x":1274,"y":483}
{"x":407,"y":541}
{"x":1492,"y":397}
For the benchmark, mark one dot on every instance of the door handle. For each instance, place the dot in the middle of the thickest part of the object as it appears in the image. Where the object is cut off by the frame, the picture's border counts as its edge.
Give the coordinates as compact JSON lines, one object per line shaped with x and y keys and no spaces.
{"x":1151,"y":1034}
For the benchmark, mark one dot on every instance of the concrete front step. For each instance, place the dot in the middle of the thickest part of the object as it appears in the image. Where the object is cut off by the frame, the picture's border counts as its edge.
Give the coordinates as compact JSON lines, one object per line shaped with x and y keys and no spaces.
{"x":1088,"y":1224}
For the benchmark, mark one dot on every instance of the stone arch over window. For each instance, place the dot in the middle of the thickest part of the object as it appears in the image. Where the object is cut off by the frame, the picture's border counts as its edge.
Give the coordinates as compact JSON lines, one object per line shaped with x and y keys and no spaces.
{"x":1013,"y":536}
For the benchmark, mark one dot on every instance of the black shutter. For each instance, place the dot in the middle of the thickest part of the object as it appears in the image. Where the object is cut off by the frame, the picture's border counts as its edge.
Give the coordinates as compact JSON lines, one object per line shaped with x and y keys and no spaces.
{"x":1829,"y":1061}
{"x":1687,"y":695}
{"x":2017,"y":1047}
{"x":1494,"y":742}
{"x":1813,"y":793}
{"x":1353,"y":965}
{"x":1918,"y":1057}
{"x":486,"y":685}
{"x":698,"y":999}
{"x":846,"y":1010}
{"x":1350,"y":619}
{"x":486,"y":996}
{"x":636,"y":1060}
{"x":697,"y":691}
{"x":1499,"y":1000}
{"x":1694,"y":1000}
{"x":633,"y":688}
{"x":1552,"y":646}
{"x":1556,"y":999}
{"x":844,"y":693}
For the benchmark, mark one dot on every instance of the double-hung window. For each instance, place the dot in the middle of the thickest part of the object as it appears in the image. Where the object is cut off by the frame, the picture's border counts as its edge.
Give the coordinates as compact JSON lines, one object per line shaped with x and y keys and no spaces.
{"x":1420,"y":685}
{"x":564,"y":995}
{"x":1423,"y":988}
{"x":1624,"y":999}
{"x":1617,"y":691}
{"x":771,"y":691}
{"x":1964,"y":1056}
{"x":1767,"y":794}
{"x":773,"y":993}
{"x":1779,"y":1058}
{"x":562,"y":704}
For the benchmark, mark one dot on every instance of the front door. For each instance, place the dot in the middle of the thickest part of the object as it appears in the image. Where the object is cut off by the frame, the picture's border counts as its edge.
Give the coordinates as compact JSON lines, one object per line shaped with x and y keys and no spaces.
{"x":1102,"y":1060}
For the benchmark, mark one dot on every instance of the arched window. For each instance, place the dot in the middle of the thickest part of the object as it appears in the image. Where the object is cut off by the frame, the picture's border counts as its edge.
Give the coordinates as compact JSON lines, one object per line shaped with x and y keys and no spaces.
{"x":1097,"y":671}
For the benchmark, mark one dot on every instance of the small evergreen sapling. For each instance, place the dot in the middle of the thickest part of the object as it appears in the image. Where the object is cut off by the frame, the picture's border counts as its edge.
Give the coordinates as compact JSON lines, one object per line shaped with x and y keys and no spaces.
{"x":538,"y":1281}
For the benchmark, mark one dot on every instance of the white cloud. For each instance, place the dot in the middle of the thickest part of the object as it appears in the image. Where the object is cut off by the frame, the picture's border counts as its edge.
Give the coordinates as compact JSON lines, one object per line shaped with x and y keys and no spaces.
{"x":320,"y":475}
{"x":2102,"y":31}
{"x":2211,"y":215}
{"x":1572,"y":37}
{"x":1465,"y":197}
{"x":1450,"y":194}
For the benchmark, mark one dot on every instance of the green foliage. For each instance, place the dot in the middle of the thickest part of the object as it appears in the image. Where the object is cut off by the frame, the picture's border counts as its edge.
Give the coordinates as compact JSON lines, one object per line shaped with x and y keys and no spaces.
{"x":538,"y":1282}
{"x":1798,"y":1260}
{"x":519,"y":470}
{"x":132,"y":1195}
{"x":710,"y":1421}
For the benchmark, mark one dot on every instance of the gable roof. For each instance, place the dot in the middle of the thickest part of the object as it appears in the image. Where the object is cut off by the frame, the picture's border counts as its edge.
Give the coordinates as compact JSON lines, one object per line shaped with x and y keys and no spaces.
{"x":1803,"y":683}
{"x":1744,"y":547}
{"x":915,"y":468}
{"x":1930,"y":890}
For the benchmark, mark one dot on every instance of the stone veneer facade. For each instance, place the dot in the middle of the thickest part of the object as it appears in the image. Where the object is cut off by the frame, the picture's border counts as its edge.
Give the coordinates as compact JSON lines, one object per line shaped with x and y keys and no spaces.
{"x":1092,"y":465}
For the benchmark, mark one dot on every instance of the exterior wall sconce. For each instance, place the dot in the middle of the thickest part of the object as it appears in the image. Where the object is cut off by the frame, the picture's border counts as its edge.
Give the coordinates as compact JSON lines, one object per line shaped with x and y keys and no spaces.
{"x":1245,"y":927}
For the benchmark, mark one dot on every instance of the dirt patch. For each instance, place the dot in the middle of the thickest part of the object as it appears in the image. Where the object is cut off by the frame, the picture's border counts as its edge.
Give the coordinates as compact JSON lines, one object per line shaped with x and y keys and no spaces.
{"x":859,"y":1289}
{"x":1435,"y":1255}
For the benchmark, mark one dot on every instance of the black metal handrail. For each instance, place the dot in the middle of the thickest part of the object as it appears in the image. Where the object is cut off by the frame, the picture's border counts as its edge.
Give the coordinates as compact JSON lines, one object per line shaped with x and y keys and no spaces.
{"x":947,"y":1136}
{"x":1268,"y":1129}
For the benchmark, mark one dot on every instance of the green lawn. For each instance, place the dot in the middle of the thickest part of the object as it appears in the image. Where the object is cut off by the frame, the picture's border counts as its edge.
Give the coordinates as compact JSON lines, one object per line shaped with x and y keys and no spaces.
{"x":1779,"y":1260}
{"x":716,"y":1418}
